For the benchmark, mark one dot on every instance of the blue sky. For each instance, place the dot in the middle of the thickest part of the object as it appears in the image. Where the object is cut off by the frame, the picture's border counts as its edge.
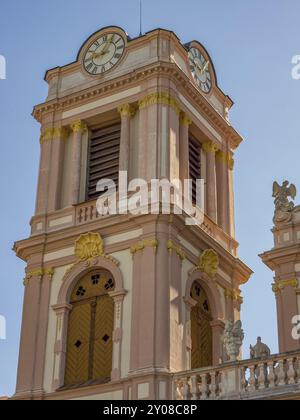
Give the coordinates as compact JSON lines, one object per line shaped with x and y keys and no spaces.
{"x":251,"y":43}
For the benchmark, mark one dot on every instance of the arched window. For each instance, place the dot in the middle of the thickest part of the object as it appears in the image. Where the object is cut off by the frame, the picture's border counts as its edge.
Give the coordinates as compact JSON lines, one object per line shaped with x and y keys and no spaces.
{"x":90,"y":330}
{"x":201,"y":331}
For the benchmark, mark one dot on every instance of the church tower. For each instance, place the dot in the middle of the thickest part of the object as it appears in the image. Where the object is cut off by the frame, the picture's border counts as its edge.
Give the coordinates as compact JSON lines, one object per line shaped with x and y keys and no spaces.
{"x":284,"y":260}
{"x":116,"y":304}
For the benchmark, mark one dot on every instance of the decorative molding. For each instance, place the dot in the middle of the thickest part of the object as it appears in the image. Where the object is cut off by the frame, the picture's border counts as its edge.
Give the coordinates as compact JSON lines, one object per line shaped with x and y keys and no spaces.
{"x":78,"y":127}
{"x":171,"y":70}
{"x":234,"y":295}
{"x":54,"y":133}
{"x":140,"y":246}
{"x":38,"y":273}
{"x":210,"y":147}
{"x":184,"y":119}
{"x":208,"y":263}
{"x":171,"y":246}
{"x":282,"y":284}
{"x":162,"y":98}
{"x":127,"y":110}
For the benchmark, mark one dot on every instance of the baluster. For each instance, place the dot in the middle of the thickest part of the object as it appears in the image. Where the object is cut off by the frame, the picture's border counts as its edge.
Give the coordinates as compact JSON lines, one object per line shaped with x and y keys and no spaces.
{"x":186,"y":390}
{"x":297,"y":368}
{"x":213,"y":386}
{"x":204,"y":387}
{"x":244,"y":382}
{"x":291,"y":373}
{"x":194,"y":388}
{"x":262,"y":376}
{"x":271,"y":375}
{"x":281,"y":374}
{"x":252,"y":379}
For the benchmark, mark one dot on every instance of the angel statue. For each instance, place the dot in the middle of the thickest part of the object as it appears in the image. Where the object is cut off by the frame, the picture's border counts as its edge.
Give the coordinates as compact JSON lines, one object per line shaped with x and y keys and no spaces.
{"x":283,"y":206}
{"x":233,"y":339}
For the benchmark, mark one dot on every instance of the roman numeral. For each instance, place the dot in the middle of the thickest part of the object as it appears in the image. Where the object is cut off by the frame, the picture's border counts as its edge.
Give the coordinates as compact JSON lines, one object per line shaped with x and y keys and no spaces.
{"x":94,"y":71}
{"x":89,"y":66}
{"x":120,"y":47}
{"x":117,"y":56}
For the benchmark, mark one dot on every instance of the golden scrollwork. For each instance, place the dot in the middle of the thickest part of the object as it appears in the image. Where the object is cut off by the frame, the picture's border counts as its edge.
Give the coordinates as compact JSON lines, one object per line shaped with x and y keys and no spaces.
{"x":140,"y":246}
{"x":208,"y":263}
{"x":210,"y":147}
{"x":173,"y":247}
{"x":163,"y":98}
{"x":282,"y":284}
{"x":127,"y":110}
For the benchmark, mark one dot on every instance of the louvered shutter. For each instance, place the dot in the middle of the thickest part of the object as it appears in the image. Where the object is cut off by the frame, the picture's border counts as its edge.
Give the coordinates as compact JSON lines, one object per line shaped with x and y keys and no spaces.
{"x":104,"y":151}
{"x":194,"y":164}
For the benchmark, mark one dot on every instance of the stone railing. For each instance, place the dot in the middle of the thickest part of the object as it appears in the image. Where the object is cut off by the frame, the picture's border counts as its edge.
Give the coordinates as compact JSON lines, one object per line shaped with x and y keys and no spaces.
{"x":275,"y":377}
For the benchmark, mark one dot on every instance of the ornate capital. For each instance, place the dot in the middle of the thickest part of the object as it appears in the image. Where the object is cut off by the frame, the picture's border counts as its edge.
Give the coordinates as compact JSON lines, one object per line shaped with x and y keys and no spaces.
{"x":38,"y":273}
{"x":127,"y":110}
{"x":282,"y":284}
{"x":210,"y":147}
{"x":225,"y":158}
{"x":173,"y":247}
{"x":59,"y":133}
{"x":140,"y":246}
{"x":234,"y":295}
{"x":208,"y":263}
{"x":163,"y":98}
{"x":78,"y":127}
{"x":184,"y":119}
{"x":46,"y":135}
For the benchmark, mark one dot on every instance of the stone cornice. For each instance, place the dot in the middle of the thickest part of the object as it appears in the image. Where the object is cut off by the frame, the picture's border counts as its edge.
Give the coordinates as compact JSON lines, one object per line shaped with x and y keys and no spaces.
{"x":172,"y":71}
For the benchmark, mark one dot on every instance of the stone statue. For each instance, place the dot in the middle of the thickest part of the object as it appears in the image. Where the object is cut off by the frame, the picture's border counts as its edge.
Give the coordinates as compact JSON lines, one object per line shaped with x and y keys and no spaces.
{"x":283,"y":206}
{"x":260,"y":350}
{"x":233,"y":339}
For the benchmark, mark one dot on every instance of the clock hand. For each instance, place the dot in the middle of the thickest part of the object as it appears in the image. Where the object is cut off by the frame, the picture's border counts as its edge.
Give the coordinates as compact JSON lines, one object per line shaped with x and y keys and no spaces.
{"x":205,"y":67}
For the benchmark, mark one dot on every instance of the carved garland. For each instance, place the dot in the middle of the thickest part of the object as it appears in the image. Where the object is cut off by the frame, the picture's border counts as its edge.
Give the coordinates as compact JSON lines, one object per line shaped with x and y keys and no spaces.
{"x":54,"y":133}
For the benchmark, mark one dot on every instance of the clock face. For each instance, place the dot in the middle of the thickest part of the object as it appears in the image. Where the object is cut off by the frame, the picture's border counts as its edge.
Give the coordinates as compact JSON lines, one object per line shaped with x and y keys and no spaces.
{"x":104,"y":54}
{"x":200,"y":68}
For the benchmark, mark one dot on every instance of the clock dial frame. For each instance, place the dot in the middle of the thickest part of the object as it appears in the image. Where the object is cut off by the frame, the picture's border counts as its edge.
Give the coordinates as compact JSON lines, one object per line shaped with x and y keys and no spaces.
{"x":201,"y":70}
{"x":104,"y":53}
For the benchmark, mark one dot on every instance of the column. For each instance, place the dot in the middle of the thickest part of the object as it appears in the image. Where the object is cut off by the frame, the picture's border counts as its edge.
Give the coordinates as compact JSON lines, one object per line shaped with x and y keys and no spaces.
{"x":230,"y":173}
{"x":218,"y":327}
{"x":185,"y":123}
{"x":44,"y":171}
{"x":126,"y":112}
{"x":222,"y":190}
{"x":60,"y":134}
{"x":42,"y":332}
{"x":30,"y":319}
{"x":118,"y":298}
{"x":211,"y":183}
{"x":78,"y":129}
{"x":62,"y":312}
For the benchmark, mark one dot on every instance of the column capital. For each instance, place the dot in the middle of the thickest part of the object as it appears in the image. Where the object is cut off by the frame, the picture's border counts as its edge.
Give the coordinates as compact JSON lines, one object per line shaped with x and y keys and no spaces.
{"x":226,"y":158}
{"x":127,"y":110}
{"x":78,"y":126}
{"x":61,"y":133}
{"x":184,"y":119}
{"x":210,"y":147}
